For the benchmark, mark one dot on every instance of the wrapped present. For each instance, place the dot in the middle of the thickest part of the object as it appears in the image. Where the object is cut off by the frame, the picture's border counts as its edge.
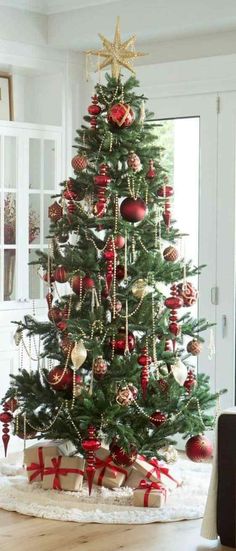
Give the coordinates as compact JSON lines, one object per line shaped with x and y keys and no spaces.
{"x":107,"y":470}
{"x":155,"y":470}
{"x":34,"y":456}
{"x":134,"y":478}
{"x":149,"y":494}
{"x":63,"y":473}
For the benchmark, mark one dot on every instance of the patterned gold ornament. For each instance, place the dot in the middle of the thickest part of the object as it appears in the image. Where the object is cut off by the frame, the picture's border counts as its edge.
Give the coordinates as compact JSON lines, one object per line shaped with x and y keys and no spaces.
{"x":117,"y":53}
{"x":78,"y":355}
{"x":140,"y":288}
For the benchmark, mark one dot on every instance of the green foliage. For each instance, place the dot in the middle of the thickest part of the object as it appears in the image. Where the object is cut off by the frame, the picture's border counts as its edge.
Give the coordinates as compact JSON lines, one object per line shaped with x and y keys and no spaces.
{"x":54,"y":412}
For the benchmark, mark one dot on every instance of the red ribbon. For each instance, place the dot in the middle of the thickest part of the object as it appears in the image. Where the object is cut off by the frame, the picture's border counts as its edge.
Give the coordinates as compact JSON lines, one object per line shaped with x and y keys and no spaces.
{"x":157,"y":469}
{"x":58,"y":471}
{"x":38,"y":468}
{"x":149,"y":486}
{"x":107,"y":463}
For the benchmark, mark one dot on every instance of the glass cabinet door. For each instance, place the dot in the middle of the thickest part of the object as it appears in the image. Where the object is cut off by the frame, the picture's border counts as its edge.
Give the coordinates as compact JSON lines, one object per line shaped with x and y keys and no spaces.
{"x":30,"y":164}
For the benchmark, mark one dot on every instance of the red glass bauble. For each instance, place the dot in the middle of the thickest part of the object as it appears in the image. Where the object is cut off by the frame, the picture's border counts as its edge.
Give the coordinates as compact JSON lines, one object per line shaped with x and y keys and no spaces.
{"x":120,"y":114}
{"x":5,"y":417}
{"x":88,"y":282}
{"x":151,"y":171}
{"x":120,"y":457}
{"x":55,"y":314}
{"x":190,"y":382}
{"x":71,"y":207}
{"x":59,"y":380}
{"x":94,"y":110}
{"x":119,"y":345}
{"x":49,"y":279}
{"x":133,"y":210}
{"x":11,"y":404}
{"x":174,"y":328}
{"x":91,"y":445}
{"x":70,"y":195}
{"x":76,"y":283}
{"x":119,"y":242}
{"x":62,"y":325}
{"x":109,"y":255}
{"x":158,"y":418}
{"x":79,"y":162}
{"x":199,"y":449}
{"x":120,"y":272}
{"x":144,"y":360}
{"x":173,"y":302}
{"x":165,"y":191}
{"x":61,"y":274}
{"x":102,"y":179}
{"x":188,"y":293}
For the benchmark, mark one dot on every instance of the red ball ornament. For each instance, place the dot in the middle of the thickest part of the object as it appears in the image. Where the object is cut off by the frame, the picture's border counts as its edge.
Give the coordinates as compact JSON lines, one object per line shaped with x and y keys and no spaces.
{"x":70,"y":195}
{"x":120,"y":272}
{"x":144,"y":360}
{"x":170,"y":254}
{"x":121,"y":457}
{"x":199,"y":449}
{"x":188,"y":293}
{"x":11,"y":404}
{"x":88,"y":283}
{"x":94,"y":109}
{"x":71,"y":207}
{"x":55,"y":314}
{"x":119,"y":242}
{"x":158,"y":418}
{"x":79,"y":162}
{"x":109,"y":255}
{"x":60,"y":378}
{"x":99,"y":367}
{"x":102,"y":179}
{"x":5,"y":417}
{"x":120,"y":114}
{"x":49,"y":279}
{"x":133,"y":210}
{"x":61,"y":274}
{"x":62,"y":325}
{"x":77,"y":284}
{"x":120,"y":341}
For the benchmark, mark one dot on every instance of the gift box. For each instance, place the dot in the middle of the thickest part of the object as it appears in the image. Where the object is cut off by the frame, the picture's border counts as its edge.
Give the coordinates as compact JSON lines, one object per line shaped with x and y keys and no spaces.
{"x":107,"y":473}
{"x":134,"y":478}
{"x":149,"y":494}
{"x":63,"y":473}
{"x":155,"y":470}
{"x":34,"y":456}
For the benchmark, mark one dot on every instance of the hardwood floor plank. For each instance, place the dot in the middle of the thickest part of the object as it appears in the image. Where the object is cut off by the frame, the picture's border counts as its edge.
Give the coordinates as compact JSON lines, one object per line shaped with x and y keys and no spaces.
{"x":23,"y":533}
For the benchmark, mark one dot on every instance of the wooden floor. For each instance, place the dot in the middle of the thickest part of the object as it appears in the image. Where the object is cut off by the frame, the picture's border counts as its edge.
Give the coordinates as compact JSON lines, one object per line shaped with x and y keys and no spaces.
{"x":22,"y":533}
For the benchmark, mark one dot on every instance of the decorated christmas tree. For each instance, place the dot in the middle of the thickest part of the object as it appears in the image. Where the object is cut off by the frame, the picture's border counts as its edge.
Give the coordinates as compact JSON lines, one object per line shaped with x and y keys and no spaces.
{"x":115,"y":357}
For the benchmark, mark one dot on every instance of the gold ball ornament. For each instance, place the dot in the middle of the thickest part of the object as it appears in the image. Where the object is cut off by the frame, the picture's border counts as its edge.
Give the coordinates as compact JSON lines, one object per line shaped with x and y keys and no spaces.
{"x":126,"y":395}
{"x":194,"y":347}
{"x":78,"y":355}
{"x":170,"y":254}
{"x":141,"y":288}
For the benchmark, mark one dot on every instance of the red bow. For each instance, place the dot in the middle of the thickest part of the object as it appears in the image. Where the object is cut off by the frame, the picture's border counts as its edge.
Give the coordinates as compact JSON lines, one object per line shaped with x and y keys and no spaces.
{"x":58,"y":471}
{"x":157,"y":469}
{"x":149,"y":486}
{"x":107,"y":464}
{"x":38,"y":468}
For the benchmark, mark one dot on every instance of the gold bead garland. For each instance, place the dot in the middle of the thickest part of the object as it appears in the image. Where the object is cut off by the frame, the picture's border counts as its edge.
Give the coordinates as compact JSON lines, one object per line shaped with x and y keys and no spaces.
{"x":135,"y":310}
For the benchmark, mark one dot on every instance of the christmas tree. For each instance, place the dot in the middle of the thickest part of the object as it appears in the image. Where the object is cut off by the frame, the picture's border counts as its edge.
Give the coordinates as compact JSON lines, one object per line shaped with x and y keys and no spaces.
{"x":113,"y":365}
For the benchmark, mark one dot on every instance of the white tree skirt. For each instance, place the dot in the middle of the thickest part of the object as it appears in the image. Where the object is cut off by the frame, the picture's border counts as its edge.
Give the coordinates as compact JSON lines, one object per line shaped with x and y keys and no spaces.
{"x":104,"y":506}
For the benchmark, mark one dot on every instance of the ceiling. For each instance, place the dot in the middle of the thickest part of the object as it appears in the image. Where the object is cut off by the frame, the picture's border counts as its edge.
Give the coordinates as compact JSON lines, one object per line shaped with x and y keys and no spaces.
{"x":74,"y":24}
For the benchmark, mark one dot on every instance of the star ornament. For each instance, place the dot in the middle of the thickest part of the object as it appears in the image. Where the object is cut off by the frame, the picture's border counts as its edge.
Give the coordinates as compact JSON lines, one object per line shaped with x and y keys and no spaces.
{"x":117,"y":53}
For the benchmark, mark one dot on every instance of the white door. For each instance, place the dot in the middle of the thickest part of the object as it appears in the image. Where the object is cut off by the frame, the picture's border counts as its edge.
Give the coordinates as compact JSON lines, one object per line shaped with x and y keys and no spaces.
{"x":195,"y":123}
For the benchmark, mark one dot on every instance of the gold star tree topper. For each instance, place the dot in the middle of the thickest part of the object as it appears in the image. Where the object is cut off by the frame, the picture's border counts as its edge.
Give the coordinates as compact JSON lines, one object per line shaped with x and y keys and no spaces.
{"x":116,"y":53}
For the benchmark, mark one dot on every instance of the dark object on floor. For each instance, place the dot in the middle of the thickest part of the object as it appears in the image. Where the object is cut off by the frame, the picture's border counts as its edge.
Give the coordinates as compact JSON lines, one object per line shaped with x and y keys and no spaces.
{"x":226,"y":497}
